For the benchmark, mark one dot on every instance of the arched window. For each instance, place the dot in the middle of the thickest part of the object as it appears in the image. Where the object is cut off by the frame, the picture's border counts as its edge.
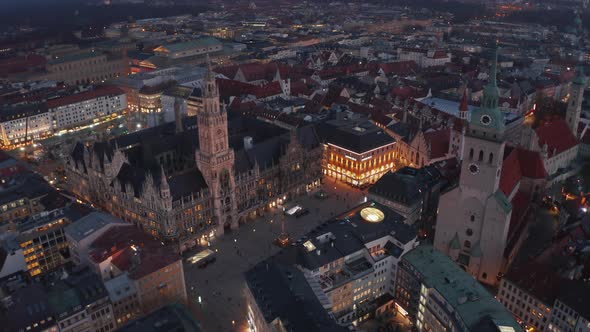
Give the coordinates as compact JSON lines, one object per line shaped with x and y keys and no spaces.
{"x":480,"y":155}
{"x":472,"y":218}
{"x":491,"y":158}
{"x":470,"y":153}
{"x":467,"y":244}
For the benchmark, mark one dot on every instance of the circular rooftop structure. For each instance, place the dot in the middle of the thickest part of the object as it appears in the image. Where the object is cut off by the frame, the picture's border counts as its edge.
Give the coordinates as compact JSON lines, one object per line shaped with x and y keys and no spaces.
{"x":372,"y":214}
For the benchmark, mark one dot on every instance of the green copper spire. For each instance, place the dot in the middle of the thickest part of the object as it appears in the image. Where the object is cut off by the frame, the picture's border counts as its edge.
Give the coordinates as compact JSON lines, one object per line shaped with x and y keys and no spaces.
{"x":490,"y":92}
{"x":455,"y":242}
{"x":488,"y":119}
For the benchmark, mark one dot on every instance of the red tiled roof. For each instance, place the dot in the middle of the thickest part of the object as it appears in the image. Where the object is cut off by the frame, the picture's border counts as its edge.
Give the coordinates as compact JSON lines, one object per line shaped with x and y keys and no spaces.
{"x":511,"y":173}
{"x":295,"y":72}
{"x":228,"y":71}
{"x":300,"y":88}
{"x":439,"y":54}
{"x":399,"y":68}
{"x":116,"y":243}
{"x":83,"y":96}
{"x":558,"y":137}
{"x":259,"y":71}
{"x":406,"y":92}
{"x":531,"y":164}
{"x":439,"y":141}
{"x":228,"y":87}
{"x":268,"y":90}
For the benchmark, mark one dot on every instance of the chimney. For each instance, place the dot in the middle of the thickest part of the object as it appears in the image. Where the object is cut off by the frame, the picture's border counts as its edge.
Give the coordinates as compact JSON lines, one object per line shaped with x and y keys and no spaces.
{"x":177,"y":115}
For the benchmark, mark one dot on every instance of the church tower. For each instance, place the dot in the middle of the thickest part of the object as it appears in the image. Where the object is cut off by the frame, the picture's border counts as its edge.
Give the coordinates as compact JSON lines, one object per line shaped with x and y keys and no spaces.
{"x":579,"y":83}
{"x":473,"y":220}
{"x":484,"y":141}
{"x":215,"y":159}
{"x":574,"y":104}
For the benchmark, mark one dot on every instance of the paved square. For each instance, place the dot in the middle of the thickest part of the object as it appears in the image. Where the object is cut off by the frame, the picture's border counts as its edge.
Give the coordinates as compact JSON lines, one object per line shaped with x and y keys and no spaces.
{"x":220,"y":285}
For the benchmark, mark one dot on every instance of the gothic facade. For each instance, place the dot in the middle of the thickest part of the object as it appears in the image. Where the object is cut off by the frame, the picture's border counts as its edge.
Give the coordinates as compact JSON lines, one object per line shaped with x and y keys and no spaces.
{"x":188,"y":182}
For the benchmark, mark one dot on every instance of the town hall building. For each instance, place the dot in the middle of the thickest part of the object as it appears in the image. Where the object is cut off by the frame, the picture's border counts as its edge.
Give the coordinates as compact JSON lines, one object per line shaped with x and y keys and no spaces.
{"x":198,"y":177}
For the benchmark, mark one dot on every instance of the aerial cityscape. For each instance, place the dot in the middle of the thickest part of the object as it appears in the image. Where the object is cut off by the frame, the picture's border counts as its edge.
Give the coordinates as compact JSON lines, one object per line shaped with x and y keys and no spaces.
{"x":294,"y":166}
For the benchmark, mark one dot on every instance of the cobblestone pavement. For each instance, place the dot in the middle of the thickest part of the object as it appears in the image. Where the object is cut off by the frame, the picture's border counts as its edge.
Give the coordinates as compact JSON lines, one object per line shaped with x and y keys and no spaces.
{"x":220,"y":285}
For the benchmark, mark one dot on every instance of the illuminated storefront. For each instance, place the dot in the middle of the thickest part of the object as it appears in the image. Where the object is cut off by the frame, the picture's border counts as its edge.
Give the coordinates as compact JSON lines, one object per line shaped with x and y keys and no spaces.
{"x":358,"y":169}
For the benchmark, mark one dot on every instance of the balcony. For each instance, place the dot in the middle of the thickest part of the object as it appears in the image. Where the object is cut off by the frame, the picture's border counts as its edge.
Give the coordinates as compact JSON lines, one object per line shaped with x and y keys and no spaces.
{"x":352,"y":270}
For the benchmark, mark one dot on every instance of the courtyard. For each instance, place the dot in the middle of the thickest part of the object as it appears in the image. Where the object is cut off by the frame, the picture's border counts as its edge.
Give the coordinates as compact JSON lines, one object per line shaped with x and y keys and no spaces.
{"x":216,"y":291}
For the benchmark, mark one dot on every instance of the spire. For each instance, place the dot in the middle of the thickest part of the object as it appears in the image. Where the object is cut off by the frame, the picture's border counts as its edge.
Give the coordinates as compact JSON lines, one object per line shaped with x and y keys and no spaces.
{"x":494,"y":69}
{"x":209,"y":85}
{"x":464,"y":106}
{"x":455,"y":242}
{"x":164,"y":186}
{"x":209,"y":75}
{"x":491,"y":95}
{"x":177,"y":115}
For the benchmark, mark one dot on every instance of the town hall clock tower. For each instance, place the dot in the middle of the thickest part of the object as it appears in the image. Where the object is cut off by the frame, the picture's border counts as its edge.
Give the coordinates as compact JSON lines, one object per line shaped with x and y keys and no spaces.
{"x":215,"y":159}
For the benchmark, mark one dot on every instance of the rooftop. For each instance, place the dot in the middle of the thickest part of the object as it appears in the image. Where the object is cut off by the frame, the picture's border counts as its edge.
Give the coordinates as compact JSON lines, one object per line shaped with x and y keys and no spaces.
{"x":357,"y":136}
{"x":174,"y":317}
{"x":408,"y":185}
{"x":350,"y":232}
{"x":74,"y":57}
{"x":133,"y":251}
{"x":282,"y":292}
{"x":468,"y":297}
{"x":183,"y":46}
{"x":90,"y":224}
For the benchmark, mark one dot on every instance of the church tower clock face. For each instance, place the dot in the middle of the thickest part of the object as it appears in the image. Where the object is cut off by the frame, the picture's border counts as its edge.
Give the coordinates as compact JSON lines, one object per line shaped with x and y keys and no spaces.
{"x":486,"y":120}
{"x":473,"y":168}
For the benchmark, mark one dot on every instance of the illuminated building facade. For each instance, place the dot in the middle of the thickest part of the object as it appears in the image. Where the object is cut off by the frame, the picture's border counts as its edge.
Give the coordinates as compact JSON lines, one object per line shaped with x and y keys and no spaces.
{"x":85,"y":68}
{"x":352,"y":279}
{"x":438,"y":295}
{"x":87,"y":107}
{"x":23,"y":124}
{"x":356,"y":153}
{"x":26,"y":122}
{"x":21,"y":197}
{"x":42,"y":237}
{"x":44,"y":245}
{"x":179,"y":190}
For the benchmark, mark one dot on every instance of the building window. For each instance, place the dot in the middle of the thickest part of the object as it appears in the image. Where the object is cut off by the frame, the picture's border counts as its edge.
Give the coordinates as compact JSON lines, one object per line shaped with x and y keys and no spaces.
{"x":469,"y":232}
{"x":491,"y":158}
{"x":471,"y":154}
{"x":472,"y":218}
{"x":484,"y":275}
{"x":480,"y":158}
{"x":467,"y":244}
